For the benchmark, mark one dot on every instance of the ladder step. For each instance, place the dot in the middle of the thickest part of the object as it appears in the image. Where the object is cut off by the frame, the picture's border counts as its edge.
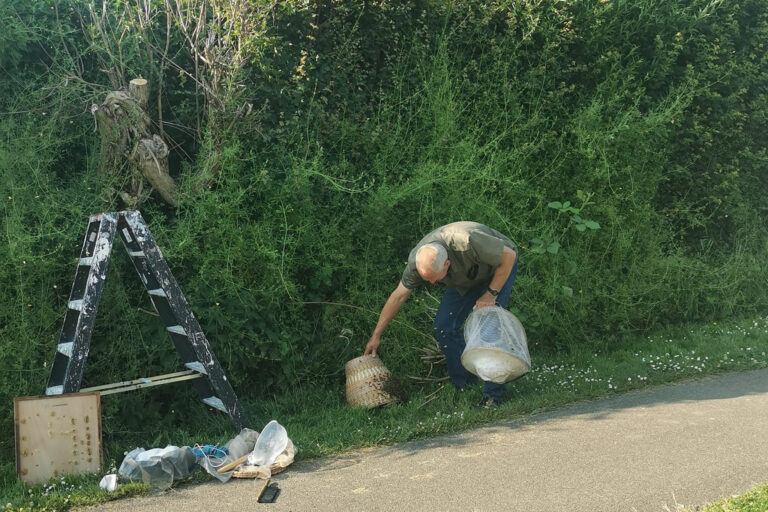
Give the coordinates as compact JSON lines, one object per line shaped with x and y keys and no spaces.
{"x":127,"y":235}
{"x":76,"y":304}
{"x":85,"y":262}
{"x":177,"y":329}
{"x":137,"y":254}
{"x":54,"y":390}
{"x":159,"y":292}
{"x":215,"y":402}
{"x":197,"y":366}
{"x":66,"y":348}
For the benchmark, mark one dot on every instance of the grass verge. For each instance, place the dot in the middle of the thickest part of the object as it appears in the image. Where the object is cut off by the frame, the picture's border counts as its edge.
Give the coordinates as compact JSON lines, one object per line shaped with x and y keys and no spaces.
{"x":756,"y":500}
{"x":320,"y":424}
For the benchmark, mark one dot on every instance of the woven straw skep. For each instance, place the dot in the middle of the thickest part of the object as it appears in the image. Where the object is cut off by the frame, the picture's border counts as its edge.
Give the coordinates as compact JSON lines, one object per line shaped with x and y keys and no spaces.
{"x":370,"y":384}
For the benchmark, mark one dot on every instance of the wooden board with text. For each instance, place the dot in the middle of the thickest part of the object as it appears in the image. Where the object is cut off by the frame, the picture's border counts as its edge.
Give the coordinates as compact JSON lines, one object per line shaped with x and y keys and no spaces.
{"x":57,"y":435}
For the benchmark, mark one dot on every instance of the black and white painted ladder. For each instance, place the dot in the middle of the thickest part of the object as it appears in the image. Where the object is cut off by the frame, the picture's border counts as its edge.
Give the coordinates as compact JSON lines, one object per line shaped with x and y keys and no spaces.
{"x":72,"y":352}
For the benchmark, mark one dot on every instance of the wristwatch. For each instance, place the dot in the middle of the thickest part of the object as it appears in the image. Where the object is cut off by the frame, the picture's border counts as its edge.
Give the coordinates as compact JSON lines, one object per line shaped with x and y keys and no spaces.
{"x":493,"y":292}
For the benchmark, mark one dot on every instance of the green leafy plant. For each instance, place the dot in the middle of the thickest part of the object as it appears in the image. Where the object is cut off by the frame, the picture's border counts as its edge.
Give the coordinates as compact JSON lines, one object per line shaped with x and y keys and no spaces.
{"x":579,"y":223}
{"x":552,"y":245}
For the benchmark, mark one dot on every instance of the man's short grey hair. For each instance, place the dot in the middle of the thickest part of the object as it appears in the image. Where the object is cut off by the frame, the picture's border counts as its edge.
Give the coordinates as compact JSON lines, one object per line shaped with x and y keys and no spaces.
{"x":438,"y":262}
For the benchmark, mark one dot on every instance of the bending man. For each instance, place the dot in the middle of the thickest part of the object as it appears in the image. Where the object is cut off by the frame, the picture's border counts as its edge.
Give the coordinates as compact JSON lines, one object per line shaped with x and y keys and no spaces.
{"x":478,"y":266}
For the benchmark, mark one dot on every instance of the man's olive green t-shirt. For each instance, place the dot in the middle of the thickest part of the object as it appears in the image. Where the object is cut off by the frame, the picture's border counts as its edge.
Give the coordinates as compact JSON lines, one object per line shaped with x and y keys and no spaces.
{"x":474,"y":251}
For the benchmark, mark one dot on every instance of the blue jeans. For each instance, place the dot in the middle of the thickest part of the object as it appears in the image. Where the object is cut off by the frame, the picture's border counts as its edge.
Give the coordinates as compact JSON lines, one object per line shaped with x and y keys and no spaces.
{"x":449,"y":333}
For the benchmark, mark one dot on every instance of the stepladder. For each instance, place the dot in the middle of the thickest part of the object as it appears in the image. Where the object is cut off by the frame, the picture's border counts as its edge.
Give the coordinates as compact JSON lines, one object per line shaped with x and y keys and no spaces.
{"x":198,"y":361}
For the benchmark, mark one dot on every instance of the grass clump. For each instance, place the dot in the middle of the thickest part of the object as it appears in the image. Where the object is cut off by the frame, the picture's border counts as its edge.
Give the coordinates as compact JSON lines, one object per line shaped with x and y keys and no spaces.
{"x":756,"y":500}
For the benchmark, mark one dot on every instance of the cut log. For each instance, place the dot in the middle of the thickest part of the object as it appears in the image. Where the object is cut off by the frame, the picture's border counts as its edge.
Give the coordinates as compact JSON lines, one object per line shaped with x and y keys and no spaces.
{"x":139,"y":89}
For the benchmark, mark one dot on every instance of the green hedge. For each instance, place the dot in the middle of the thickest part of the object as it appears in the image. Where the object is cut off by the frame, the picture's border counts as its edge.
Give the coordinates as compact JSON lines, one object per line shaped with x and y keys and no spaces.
{"x":371,"y":124}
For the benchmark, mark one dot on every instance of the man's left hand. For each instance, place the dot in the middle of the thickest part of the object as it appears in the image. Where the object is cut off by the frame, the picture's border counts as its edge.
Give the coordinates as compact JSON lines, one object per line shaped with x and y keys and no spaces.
{"x":482,"y":302}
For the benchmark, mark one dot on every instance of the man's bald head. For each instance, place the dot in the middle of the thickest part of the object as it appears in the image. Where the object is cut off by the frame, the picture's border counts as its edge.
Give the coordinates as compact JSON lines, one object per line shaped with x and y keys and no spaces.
{"x":432,"y":262}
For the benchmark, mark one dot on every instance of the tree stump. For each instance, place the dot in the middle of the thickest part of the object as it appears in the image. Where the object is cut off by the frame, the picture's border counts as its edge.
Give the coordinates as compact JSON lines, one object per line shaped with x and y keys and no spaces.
{"x":126,"y":139}
{"x":139,"y":89}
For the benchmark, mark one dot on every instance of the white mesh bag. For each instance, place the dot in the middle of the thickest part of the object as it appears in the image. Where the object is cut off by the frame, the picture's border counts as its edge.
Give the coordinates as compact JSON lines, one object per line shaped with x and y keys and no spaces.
{"x":497,"y":350}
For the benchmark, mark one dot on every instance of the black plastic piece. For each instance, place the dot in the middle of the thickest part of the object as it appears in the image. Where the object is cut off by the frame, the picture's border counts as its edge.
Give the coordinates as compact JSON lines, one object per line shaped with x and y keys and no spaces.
{"x":270,"y":494}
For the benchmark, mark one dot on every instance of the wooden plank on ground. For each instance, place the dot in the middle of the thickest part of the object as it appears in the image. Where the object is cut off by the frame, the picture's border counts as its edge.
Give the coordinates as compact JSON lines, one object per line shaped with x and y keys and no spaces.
{"x":232,"y":465}
{"x":261,"y":487}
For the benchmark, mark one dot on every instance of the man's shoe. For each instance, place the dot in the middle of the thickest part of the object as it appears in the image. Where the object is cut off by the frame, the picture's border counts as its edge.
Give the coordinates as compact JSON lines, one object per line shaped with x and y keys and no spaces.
{"x":488,"y":403}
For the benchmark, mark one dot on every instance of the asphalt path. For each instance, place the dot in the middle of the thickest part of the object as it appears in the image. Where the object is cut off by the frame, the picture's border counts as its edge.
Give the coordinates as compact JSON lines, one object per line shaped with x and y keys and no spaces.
{"x":655,"y":450}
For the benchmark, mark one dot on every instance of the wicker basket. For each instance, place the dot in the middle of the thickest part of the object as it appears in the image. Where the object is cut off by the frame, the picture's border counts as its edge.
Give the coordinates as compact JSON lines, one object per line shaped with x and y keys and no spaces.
{"x":370,"y":384}
{"x":244,"y":471}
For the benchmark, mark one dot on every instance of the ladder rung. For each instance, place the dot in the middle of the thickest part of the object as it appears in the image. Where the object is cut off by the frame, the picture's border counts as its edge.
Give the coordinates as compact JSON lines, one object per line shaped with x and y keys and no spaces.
{"x":85,"y":262}
{"x":136,"y":254}
{"x":215,"y":402}
{"x":76,"y":304}
{"x":158,"y":292}
{"x":177,"y":329}
{"x":66,"y":348}
{"x":144,"y":382}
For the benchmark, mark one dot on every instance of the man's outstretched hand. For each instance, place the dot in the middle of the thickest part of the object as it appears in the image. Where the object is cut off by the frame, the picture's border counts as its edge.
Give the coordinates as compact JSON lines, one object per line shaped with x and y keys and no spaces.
{"x":372,"y":345}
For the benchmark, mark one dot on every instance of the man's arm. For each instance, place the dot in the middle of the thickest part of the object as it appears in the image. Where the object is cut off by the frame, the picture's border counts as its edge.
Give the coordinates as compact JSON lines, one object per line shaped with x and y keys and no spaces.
{"x":388,"y":312}
{"x":500,"y":276}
